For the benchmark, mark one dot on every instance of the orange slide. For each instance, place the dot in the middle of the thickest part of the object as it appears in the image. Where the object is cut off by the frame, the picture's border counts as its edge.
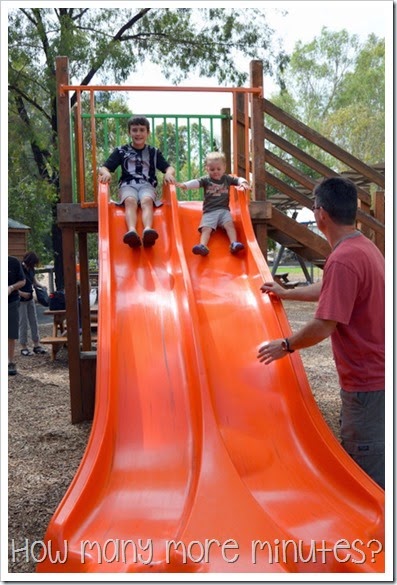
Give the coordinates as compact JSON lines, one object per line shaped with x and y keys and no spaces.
{"x":200,"y":458}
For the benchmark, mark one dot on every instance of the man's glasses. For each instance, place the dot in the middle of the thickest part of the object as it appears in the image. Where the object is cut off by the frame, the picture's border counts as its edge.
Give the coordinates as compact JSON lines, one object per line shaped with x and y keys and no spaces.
{"x":316,"y":207}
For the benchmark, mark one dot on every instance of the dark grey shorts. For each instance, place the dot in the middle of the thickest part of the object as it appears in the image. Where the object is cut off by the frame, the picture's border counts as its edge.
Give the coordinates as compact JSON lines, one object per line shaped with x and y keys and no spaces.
{"x":13,"y":320}
{"x":363,"y":431}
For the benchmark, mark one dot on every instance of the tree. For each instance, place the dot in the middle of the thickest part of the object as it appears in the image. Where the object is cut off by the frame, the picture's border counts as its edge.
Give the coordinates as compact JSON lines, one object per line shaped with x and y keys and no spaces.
{"x":336,"y":85}
{"x":107,"y":45}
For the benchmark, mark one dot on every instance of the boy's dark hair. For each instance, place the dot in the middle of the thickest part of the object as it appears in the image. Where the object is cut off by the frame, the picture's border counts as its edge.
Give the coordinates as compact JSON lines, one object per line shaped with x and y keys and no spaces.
{"x":138,"y":121}
{"x":338,"y":197}
{"x":30,"y":259}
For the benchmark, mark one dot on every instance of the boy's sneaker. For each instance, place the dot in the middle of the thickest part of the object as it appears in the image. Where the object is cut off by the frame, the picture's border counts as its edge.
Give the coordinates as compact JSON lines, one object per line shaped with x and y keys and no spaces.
{"x":12,"y":370}
{"x":149,"y":237}
{"x":132,"y":239}
{"x":236,"y":247}
{"x":200,"y":249}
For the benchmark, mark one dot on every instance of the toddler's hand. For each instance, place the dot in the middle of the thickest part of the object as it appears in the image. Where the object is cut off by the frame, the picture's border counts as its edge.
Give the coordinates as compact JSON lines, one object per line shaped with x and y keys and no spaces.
{"x":245,"y":187}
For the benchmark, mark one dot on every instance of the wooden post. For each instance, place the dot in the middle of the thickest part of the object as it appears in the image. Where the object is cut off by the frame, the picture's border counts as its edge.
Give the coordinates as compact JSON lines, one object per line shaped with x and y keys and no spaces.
{"x":379,"y":212}
{"x":366,"y":208}
{"x":84,"y":292}
{"x":226,"y":144}
{"x":241,"y":150}
{"x":258,"y":148}
{"x":68,"y":242}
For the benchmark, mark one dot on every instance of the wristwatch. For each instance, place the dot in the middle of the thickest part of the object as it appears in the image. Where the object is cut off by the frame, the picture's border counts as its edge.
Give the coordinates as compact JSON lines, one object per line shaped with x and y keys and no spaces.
{"x":285,"y":346}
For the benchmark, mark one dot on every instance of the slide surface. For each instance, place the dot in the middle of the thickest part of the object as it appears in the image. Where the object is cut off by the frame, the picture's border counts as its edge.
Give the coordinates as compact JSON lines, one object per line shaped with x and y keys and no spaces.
{"x":200,"y":458}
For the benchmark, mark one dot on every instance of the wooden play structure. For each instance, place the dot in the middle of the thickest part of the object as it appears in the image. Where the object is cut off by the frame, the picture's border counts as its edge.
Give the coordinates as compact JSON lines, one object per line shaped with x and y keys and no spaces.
{"x":244,"y":133}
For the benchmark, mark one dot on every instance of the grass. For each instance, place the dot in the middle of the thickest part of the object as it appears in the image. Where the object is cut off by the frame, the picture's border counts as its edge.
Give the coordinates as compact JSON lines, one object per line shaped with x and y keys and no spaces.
{"x":295,"y":271}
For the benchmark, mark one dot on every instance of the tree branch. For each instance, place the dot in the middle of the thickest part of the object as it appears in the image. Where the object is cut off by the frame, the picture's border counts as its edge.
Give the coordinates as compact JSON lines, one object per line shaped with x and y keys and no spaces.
{"x":24,"y":96}
{"x":40,"y":156}
{"x":116,"y":38}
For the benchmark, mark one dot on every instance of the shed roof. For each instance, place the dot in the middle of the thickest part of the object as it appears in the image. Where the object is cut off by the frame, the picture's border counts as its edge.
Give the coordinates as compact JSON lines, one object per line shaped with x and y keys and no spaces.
{"x":16,"y":225}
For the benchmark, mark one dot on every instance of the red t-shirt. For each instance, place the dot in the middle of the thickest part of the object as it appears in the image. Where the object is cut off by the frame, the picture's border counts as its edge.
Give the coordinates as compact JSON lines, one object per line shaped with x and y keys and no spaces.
{"x":353,"y":294}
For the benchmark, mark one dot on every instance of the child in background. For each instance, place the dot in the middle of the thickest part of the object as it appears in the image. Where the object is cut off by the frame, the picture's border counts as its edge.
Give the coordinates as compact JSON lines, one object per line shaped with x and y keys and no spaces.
{"x":138,"y":182}
{"x":216,"y":210}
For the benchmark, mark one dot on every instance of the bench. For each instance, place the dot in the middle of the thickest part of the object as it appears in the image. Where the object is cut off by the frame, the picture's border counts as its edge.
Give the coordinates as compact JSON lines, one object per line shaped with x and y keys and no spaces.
{"x":57,"y":342}
{"x":284,"y":280}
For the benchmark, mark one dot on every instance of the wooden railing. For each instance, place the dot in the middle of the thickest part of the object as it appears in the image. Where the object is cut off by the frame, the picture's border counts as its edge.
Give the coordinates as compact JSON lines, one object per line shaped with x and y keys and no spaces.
{"x":293,"y":187}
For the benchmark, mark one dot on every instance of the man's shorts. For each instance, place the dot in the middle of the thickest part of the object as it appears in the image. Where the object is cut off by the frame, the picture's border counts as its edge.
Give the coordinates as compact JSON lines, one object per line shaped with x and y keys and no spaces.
{"x":363,"y":430}
{"x":13,"y":320}
{"x":138,"y":191}
{"x":215,"y":218}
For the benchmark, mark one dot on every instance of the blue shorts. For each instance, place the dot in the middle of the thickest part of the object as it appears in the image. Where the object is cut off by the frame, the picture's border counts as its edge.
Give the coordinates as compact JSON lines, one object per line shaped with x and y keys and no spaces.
{"x":216,"y":218}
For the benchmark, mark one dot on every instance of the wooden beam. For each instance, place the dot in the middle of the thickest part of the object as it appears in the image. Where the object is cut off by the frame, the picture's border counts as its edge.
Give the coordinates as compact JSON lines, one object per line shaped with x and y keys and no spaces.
{"x":226,"y":140}
{"x":322,"y":142}
{"x":257,"y":150}
{"x":69,"y":263}
{"x":63,"y":121}
{"x":299,"y":232}
{"x":71,"y":214}
{"x":260,"y":210}
{"x":308,"y":160}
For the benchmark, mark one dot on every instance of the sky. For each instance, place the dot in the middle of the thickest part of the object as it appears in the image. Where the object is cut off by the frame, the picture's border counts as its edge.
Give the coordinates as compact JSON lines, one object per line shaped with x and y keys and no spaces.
{"x":303,"y":22}
{"x":292,"y":21}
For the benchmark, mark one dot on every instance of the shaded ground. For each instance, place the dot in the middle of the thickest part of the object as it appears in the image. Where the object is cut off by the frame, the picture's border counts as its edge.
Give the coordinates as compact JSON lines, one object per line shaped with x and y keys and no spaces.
{"x":45,"y":449}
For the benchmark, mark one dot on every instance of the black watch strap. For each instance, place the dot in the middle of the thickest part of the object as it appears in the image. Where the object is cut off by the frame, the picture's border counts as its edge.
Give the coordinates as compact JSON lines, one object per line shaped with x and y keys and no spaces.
{"x":286,"y":346}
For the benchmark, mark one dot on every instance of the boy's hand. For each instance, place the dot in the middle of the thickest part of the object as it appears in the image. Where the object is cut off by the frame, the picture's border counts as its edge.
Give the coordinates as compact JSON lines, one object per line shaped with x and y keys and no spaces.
{"x":104,"y":176}
{"x":181,"y":186}
{"x":169,"y":176}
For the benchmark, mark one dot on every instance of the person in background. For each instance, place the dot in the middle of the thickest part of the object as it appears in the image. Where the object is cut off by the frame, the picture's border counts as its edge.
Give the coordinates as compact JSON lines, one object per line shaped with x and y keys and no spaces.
{"x":216,"y":210}
{"x":27,"y":309}
{"x":16,"y":280}
{"x":137,"y":186}
{"x":351,"y":309}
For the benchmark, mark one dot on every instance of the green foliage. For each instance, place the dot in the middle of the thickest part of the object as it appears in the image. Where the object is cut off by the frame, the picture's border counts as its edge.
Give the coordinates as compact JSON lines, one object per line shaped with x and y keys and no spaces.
{"x":105,"y":45}
{"x":336,"y":85}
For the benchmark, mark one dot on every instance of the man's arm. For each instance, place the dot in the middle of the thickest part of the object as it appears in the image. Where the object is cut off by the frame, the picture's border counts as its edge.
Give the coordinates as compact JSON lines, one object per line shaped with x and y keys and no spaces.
{"x":308,"y":293}
{"x":312,"y":333}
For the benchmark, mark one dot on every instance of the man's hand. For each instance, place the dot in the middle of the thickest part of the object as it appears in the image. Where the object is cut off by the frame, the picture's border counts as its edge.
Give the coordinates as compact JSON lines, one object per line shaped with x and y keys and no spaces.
{"x":275,"y":288}
{"x":271,"y":350}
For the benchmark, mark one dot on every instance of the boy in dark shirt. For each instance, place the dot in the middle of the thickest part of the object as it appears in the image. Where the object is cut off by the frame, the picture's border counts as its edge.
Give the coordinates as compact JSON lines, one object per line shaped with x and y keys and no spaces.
{"x":138,"y":182}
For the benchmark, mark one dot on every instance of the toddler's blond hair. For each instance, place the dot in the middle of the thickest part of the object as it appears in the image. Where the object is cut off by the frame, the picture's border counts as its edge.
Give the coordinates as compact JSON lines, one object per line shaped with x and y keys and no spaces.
{"x":213,"y":156}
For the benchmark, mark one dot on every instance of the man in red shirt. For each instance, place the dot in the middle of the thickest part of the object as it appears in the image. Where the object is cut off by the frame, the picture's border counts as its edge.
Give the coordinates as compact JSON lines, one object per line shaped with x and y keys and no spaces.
{"x":351,"y":309}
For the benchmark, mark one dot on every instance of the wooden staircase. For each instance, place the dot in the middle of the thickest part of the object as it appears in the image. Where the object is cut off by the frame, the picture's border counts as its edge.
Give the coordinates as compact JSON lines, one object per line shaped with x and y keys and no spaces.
{"x":281,"y":186}
{"x":298,"y":238}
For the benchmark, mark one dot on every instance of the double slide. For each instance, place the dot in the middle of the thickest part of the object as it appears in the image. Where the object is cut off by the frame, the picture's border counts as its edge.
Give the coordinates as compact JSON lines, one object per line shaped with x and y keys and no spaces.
{"x":201,"y":459}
